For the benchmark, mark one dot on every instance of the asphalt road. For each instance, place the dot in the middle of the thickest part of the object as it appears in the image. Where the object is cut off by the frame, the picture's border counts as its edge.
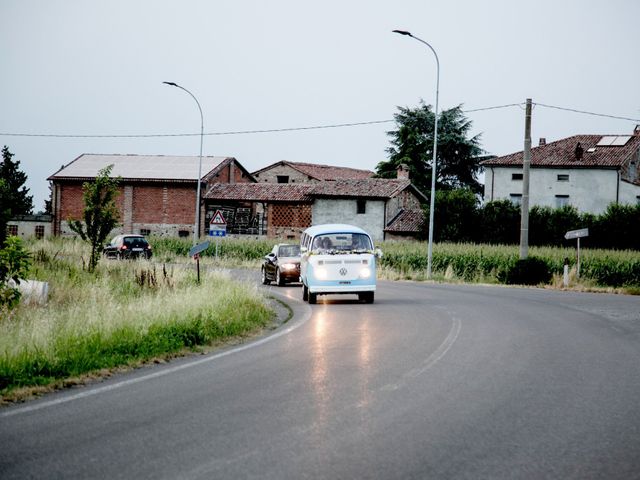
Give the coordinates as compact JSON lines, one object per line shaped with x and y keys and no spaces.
{"x":431,"y":381}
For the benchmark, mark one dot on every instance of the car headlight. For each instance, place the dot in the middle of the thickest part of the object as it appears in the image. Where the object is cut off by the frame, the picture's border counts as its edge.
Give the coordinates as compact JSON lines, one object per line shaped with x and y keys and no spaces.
{"x":321,"y":273}
{"x":365,"y":272}
{"x":288,"y":266}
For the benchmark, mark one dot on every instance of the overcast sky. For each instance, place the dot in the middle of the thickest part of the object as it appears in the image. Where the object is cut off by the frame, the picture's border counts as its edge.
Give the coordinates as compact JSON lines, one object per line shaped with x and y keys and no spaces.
{"x":96,"y":68}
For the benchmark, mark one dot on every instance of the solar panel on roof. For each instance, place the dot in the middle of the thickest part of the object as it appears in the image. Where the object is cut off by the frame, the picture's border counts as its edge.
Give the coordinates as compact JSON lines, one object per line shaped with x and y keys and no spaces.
{"x":613,"y":140}
{"x":606,"y":141}
{"x":621,"y":140}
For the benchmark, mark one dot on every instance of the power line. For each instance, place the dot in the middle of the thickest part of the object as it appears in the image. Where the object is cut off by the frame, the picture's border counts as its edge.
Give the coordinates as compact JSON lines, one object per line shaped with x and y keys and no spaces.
{"x":239,"y":132}
{"x":588,"y":113}
{"x":294,"y":129}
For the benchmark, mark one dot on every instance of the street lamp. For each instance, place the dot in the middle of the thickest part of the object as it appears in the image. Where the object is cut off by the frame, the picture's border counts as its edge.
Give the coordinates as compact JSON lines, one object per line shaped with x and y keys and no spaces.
{"x":435,"y":148}
{"x":196,"y":229}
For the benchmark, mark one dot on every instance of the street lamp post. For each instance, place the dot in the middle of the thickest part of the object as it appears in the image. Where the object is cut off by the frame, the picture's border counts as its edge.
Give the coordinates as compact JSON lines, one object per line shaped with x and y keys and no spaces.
{"x":435,"y":149}
{"x":196,"y":226}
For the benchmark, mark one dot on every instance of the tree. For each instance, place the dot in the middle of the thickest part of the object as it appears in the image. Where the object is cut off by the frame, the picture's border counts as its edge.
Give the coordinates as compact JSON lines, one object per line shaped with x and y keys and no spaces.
{"x":20,"y":202}
{"x":47,"y":203}
{"x":458,"y":156}
{"x":457,"y":214}
{"x":100,"y":213}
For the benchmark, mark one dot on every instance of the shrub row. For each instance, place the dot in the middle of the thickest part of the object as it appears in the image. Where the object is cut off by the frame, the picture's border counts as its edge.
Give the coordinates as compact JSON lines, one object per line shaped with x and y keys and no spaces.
{"x":458,"y":218}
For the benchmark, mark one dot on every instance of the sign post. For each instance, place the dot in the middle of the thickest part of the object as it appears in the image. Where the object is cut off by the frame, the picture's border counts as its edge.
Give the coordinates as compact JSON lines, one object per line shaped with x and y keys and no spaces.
{"x":195,"y":253}
{"x":577,"y":234}
{"x":218,"y":227}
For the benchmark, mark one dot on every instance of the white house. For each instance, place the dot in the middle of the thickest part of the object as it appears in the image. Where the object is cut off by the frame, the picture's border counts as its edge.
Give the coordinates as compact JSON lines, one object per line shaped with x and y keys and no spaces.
{"x":586,"y":171}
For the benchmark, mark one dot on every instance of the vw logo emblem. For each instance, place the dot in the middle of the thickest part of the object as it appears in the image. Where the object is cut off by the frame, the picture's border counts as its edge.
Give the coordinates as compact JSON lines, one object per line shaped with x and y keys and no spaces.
{"x":343,"y":271}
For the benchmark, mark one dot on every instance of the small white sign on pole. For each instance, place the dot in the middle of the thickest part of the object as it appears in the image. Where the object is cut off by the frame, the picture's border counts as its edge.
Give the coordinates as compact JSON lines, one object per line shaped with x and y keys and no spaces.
{"x":577,"y":234}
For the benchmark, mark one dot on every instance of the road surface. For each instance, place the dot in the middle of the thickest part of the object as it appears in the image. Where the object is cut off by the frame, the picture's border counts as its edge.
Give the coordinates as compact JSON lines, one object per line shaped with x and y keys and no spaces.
{"x":431,"y":381}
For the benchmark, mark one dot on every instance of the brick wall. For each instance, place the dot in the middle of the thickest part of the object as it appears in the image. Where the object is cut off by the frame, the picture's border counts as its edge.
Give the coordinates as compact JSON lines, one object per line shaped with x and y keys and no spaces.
{"x":287,"y":220}
{"x":231,"y":173}
{"x":164,"y":204}
{"x":71,"y":203}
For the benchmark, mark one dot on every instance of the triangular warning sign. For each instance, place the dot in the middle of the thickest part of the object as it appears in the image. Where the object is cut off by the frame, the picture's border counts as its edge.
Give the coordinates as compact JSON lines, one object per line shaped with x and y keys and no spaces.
{"x":218,"y":219}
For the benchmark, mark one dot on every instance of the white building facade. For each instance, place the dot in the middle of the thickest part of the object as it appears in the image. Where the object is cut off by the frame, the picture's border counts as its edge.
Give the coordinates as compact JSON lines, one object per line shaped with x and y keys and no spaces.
{"x":588,"y":172}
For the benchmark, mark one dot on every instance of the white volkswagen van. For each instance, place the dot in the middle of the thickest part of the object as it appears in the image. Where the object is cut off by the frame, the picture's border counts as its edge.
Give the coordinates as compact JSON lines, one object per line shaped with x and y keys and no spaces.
{"x":337,"y":258}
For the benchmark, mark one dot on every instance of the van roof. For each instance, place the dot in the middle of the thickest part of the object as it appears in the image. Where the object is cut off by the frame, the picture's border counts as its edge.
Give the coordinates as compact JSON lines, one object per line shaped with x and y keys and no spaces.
{"x":333,"y":228}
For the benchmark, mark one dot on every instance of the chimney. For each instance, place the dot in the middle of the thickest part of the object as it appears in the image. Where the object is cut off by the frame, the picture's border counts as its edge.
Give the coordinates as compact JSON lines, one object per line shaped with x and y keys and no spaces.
{"x":543,"y":142}
{"x":578,"y":152}
{"x":403,"y":172}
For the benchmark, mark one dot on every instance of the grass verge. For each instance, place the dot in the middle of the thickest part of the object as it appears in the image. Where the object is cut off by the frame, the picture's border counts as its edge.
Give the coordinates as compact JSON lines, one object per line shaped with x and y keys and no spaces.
{"x":122,"y":315}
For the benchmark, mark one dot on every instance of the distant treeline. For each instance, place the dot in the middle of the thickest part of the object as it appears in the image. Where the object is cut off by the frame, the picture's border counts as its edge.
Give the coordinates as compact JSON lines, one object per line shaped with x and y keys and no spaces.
{"x":459,"y":218}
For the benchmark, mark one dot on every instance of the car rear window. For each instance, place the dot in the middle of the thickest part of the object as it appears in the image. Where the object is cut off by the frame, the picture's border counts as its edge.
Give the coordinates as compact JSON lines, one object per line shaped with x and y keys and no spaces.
{"x":135,"y":242}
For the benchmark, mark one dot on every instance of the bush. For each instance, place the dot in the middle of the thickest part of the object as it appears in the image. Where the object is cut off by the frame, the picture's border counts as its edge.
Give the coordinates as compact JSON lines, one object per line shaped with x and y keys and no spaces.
{"x":529,"y":271}
{"x":14,"y":265}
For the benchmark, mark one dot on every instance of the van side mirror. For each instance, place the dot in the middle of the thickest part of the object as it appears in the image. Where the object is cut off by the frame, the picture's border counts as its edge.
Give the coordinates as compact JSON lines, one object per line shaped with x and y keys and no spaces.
{"x":377,"y":252}
{"x":303,"y":250}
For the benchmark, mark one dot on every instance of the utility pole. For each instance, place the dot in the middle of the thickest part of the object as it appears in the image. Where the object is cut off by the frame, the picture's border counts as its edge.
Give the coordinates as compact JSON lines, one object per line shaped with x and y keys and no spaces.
{"x":526,"y":163}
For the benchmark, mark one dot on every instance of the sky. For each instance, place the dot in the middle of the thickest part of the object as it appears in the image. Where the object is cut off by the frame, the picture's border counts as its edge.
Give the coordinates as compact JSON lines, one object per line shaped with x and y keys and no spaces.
{"x":79,"y":67}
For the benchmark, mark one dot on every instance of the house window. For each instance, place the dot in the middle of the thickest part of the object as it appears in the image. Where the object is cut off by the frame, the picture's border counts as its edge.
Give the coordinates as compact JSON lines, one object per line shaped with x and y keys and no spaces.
{"x":12,"y":230}
{"x":516,"y":198}
{"x":39,"y":231}
{"x":145,"y":231}
{"x":183,"y":233}
{"x":516,"y":176}
{"x":361,"y":207}
{"x":562,"y":201}
{"x":283,"y":178}
{"x":562,"y":177}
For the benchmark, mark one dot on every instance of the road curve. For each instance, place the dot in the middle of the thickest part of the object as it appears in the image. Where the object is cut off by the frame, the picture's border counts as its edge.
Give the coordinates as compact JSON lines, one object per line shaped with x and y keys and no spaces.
{"x":431,"y":381}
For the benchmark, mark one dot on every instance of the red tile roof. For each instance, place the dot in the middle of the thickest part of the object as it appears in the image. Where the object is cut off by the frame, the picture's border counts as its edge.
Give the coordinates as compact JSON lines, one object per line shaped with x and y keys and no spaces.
{"x":366,"y":188}
{"x":407,"y":221}
{"x":260,"y":192}
{"x":382,"y":188}
{"x":561,"y":153}
{"x":323,"y":172}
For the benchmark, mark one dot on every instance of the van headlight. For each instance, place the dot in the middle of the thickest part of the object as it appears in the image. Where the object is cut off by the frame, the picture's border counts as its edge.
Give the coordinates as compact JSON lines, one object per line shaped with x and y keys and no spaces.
{"x":365,"y":272}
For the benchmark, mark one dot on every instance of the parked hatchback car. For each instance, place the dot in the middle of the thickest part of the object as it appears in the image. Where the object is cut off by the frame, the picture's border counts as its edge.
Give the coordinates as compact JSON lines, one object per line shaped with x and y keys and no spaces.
{"x":282,"y":264}
{"x":127,"y":246}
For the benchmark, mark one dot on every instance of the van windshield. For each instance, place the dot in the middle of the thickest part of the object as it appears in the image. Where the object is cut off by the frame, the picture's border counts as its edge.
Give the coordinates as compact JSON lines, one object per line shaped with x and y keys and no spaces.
{"x":335,"y":243}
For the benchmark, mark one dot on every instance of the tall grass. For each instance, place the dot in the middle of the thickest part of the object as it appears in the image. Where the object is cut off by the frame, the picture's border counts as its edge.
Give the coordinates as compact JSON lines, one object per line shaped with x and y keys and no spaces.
{"x":233,"y":251}
{"x":121,"y":314}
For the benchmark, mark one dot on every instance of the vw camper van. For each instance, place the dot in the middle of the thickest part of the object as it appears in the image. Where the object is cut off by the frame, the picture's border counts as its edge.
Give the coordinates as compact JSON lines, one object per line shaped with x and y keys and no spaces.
{"x":336,"y":259}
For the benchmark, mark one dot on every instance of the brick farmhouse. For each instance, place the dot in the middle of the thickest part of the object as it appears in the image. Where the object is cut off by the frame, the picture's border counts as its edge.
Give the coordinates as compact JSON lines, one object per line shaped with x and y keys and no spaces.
{"x":157,"y":192}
